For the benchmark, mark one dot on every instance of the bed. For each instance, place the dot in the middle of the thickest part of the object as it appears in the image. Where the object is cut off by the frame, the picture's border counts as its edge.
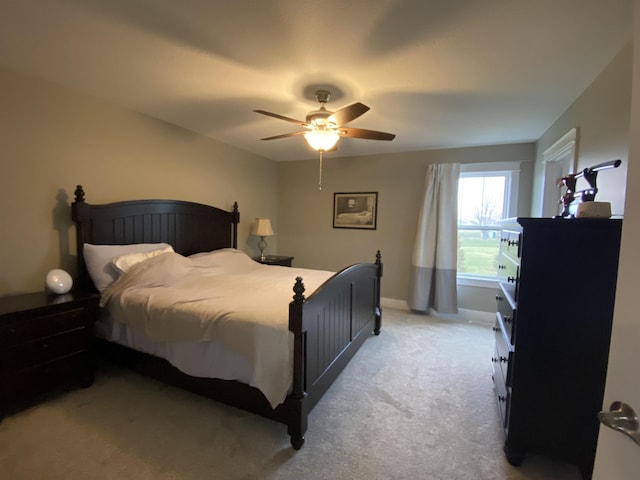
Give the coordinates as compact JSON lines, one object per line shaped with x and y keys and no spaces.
{"x":326,"y":328}
{"x":355,"y":218}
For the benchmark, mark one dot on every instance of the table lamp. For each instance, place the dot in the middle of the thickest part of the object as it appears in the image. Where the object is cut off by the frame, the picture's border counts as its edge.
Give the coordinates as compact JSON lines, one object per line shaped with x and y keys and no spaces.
{"x":262,"y":228}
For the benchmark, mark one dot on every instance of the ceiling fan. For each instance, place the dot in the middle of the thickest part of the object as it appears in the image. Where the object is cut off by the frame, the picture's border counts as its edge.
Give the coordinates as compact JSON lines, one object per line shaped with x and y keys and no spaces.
{"x":323,"y":128}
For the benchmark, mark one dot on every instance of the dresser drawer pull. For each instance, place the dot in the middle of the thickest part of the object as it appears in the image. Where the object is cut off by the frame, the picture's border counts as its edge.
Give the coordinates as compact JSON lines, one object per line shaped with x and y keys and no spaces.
{"x":496,"y":329}
{"x":506,"y":318}
{"x":512,"y":243}
{"x":500,"y":359}
{"x":511,"y":279}
{"x":502,"y":267}
{"x":502,"y":398}
{"x":499,"y":298}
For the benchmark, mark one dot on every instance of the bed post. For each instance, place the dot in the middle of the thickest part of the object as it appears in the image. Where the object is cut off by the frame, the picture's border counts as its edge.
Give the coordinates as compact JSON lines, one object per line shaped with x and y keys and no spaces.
{"x":235,"y":219}
{"x":297,"y":425}
{"x":78,"y":215}
{"x":378,"y":322}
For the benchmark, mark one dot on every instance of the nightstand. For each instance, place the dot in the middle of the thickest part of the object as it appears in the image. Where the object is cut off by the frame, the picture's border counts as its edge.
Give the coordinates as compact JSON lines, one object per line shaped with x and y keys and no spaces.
{"x":275,"y":260}
{"x":46,"y":341}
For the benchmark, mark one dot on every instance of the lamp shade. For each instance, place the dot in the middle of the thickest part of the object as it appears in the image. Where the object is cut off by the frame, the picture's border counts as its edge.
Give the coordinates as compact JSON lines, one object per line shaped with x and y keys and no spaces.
{"x":322,"y":140}
{"x":262,"y":227}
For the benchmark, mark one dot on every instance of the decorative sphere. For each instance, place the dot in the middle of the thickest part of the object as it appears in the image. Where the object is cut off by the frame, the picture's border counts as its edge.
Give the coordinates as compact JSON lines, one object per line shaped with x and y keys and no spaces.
{"x":59,"y":281}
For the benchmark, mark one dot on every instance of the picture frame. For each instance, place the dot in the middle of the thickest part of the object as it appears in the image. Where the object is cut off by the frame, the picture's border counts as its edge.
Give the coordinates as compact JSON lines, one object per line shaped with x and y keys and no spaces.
{"x":356,"y":210}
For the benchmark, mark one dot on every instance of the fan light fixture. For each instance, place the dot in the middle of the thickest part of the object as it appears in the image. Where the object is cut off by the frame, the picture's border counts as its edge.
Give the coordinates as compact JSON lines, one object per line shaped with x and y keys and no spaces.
{"x":324,"y":127}
{"x":322,"y":140}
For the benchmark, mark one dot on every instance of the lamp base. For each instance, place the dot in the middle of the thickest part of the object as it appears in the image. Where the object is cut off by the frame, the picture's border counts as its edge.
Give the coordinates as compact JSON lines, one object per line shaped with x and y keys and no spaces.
{"x":262,"y":244}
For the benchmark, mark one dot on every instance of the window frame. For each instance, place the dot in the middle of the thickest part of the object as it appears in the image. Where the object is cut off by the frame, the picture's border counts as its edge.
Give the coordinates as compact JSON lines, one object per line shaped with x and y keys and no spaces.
{"x":511,"y":171}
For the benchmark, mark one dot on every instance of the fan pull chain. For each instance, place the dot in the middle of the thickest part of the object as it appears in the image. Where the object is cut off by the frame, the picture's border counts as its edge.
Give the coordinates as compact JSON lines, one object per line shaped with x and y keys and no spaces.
{"x":320,"y":174}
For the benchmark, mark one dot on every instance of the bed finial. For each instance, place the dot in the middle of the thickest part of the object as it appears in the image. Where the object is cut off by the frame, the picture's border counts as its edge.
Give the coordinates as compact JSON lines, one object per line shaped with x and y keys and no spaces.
{"x":379,"y":263}
{"x":79,"y":194}
{"x":298,"y":289}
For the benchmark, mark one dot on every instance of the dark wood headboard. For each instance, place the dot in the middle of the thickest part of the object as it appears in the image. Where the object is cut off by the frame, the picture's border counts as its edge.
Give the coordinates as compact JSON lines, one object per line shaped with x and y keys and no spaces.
{"x":187,"y":226}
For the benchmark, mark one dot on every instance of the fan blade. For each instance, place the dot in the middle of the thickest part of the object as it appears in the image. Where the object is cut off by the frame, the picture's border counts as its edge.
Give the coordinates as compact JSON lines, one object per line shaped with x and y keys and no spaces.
{"x":348,"y":113}
{"x":284,"y":135}
{"x":366,"y":134}
{"x":281,"y":117}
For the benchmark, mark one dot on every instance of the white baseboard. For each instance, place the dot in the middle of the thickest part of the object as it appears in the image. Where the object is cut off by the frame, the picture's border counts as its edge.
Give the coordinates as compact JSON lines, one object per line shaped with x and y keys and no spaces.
{"x":394,"y":303}
{"x":474,"y":316}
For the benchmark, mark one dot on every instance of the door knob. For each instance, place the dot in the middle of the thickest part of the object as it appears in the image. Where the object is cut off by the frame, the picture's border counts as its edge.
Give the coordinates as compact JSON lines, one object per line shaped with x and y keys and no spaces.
{"x":622,"y":418}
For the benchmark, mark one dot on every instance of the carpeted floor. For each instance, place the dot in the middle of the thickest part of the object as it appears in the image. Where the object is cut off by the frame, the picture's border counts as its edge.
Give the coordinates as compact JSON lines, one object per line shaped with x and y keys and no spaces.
{"x":415,"y":403}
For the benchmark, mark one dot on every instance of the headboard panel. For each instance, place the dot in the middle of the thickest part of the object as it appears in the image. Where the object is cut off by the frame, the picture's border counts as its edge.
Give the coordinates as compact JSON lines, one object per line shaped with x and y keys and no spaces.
{"x":188,"y":227}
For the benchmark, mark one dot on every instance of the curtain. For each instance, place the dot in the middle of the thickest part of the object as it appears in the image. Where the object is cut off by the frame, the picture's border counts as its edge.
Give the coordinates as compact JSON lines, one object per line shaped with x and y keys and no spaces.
{"x":434,"y":260}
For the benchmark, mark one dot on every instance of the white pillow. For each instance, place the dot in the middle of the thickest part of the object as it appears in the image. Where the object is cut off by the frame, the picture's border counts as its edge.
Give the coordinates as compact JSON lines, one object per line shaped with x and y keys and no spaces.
{"x":125,"y":262}
{"x":98,"y":260}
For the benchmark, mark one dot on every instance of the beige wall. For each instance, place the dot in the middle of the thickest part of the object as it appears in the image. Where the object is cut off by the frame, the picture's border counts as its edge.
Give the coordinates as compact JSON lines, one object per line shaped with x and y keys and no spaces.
{"x":601,"y":115}
{"x":54,"y":138}
{"x":305,"y":228}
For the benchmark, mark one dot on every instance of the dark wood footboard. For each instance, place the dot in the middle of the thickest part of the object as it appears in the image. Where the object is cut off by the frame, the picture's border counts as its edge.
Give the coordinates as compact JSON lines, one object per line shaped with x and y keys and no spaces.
{"x":329,"y":328}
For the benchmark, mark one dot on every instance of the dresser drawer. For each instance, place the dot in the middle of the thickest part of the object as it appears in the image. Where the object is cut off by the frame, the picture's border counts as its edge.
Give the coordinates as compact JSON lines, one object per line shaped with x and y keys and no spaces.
{"x":502,"y":395}
{"x":510,"y":244}
{"x":503,"y":355}
{"x":509,"y":274}
{"x":45,"y":350}
{"x":29,"y":329}
{"x":507,"y":312}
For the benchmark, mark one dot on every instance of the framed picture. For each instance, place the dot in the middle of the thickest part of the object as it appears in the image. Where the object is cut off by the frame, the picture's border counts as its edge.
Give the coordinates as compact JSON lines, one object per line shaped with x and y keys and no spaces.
{"x":355,"y":210}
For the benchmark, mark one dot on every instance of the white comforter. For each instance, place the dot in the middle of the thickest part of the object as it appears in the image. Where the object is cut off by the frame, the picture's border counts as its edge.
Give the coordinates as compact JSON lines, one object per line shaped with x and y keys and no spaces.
{"x":223,"y":296}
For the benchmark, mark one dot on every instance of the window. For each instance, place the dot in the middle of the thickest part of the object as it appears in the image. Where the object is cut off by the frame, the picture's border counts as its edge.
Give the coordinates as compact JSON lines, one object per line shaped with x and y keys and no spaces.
{"x":486,"y":195}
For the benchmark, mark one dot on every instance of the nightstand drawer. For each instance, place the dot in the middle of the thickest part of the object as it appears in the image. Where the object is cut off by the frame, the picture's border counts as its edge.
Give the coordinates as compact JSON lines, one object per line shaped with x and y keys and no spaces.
{"x":46,"y":377}
{"x":29,"y":329}
{"x":45,"y":350}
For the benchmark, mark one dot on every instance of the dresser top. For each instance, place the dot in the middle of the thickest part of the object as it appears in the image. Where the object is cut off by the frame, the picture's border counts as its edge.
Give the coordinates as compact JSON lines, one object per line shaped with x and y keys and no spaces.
{"x":36,"y":300}
{"x":561,"y":222}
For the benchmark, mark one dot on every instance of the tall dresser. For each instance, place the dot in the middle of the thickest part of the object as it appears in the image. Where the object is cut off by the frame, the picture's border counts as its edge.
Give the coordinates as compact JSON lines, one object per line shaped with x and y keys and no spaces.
{"x":553,"y":326}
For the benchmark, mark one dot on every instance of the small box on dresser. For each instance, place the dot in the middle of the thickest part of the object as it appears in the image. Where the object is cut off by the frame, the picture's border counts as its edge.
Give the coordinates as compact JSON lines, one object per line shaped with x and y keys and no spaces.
{"x":553,"y":326}
{"x":46,"y":342}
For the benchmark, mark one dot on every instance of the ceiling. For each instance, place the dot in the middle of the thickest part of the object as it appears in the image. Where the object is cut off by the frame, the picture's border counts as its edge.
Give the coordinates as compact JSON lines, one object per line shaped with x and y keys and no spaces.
{"x":438,"y":74}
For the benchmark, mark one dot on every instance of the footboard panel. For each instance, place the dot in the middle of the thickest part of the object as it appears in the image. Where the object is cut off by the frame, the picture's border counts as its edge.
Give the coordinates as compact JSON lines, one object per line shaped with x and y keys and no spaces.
{"x":336,"y":320}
